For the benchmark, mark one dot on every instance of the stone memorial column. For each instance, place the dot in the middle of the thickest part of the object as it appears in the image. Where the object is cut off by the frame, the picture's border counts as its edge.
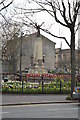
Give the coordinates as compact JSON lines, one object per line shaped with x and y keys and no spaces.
{"x":38,"y":52}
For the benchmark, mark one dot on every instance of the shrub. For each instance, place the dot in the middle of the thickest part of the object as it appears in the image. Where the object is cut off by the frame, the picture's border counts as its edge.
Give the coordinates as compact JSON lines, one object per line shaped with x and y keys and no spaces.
{"x":68,"y":98}
{"x":57,"y":79}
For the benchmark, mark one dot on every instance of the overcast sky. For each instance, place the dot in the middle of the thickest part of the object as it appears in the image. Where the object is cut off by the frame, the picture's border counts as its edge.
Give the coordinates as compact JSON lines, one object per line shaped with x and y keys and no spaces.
{"x":55,"y":29}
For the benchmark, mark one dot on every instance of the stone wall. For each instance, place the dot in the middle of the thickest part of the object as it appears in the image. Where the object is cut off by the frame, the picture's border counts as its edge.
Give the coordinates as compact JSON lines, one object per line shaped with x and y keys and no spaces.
{"x":28,"y":43}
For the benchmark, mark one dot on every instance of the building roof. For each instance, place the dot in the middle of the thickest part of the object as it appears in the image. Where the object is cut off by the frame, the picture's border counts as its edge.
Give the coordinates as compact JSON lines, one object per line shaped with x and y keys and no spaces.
{"x":40,"y":36}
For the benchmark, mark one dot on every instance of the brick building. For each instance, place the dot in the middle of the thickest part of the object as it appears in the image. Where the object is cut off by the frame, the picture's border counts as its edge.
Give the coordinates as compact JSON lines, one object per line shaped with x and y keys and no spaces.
{"x":63,"y":59}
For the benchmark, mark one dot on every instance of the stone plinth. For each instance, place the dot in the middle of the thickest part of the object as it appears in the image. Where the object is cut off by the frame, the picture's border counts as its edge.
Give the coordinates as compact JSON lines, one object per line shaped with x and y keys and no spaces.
{"x":37,"y":71}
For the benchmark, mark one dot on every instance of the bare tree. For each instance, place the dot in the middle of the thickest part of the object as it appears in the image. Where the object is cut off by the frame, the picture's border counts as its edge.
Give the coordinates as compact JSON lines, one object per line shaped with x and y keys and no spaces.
{"x":4,"y":4}
{"x":78,"y":59}
{"x":10,"y":32}
{"x":65,"y":13}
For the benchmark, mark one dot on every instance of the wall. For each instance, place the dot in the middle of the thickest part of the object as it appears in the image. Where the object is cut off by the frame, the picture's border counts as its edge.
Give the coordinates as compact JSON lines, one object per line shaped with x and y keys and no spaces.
{"x":28,"y":43}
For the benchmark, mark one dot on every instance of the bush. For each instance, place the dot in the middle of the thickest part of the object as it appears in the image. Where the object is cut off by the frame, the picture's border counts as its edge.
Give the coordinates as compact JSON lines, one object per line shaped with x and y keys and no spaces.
{"x":68,"y":98}
{"x":58,"y":79}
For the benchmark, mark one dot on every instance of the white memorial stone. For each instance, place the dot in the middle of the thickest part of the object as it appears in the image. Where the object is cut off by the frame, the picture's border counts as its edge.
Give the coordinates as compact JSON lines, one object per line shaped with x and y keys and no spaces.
{"x":38,"y":55}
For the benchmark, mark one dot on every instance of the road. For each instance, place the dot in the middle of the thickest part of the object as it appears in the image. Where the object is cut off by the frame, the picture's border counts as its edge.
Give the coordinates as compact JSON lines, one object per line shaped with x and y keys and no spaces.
{"x":68,"y":110}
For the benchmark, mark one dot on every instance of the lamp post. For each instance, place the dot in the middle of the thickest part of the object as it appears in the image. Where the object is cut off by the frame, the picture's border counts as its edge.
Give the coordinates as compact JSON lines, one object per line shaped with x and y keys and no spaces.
{"x":42,"y":82}
{"x":21,"y":60}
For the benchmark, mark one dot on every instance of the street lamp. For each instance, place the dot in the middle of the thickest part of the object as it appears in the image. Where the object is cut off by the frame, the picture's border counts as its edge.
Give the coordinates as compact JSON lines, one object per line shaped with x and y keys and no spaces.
{"x":21,"y":60}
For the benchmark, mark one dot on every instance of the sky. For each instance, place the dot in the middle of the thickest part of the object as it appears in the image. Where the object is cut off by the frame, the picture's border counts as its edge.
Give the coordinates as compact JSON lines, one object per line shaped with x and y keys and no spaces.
{"x":55,"y":28}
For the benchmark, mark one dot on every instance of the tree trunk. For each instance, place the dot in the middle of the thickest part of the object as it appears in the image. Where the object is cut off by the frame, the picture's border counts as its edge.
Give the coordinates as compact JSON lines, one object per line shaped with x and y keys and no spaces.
{"x":72,"y":60}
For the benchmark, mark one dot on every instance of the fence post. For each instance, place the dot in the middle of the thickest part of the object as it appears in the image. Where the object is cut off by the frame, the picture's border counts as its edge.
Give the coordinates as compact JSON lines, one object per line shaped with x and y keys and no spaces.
{"x":42,"y":83}
{"x":60,"y":86}
{"x":76,"y":83}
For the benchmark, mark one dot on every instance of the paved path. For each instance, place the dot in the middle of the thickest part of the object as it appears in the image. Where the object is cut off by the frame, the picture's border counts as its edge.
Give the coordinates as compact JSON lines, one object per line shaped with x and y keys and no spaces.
{"x":31,"y":99}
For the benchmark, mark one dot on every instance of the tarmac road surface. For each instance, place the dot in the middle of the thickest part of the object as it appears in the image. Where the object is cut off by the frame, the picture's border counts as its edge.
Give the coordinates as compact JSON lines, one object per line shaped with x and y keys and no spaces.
{"x":60,"y":110}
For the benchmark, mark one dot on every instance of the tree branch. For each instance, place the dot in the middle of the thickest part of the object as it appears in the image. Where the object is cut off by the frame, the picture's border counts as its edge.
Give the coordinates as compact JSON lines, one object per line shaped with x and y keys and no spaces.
{"x":69,"y":5}
{"x":77,"y":27}
{"x":76,"y":9}
{"x":3,"y":17}
{"x":55,"y":36}
{"x":45,"y":9}
{"x":6,"y":6}
{"x":2,"y":2}
{"x":64,"y":15}
{"x":55,"y":16}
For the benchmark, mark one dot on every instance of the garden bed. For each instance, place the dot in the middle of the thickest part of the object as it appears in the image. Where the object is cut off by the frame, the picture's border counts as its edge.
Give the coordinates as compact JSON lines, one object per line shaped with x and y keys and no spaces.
{"x":55,"y":87}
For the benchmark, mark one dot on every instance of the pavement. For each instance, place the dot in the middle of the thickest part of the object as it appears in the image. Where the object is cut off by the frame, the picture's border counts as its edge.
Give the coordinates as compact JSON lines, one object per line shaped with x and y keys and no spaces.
{"x":27,"y":99}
